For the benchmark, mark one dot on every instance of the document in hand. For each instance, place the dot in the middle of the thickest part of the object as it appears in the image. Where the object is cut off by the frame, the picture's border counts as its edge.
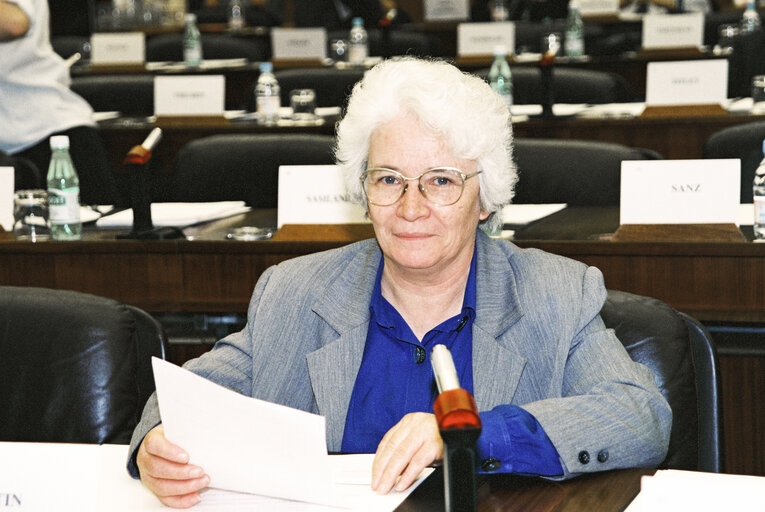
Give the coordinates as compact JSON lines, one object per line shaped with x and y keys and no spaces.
{"x":245,"y":444}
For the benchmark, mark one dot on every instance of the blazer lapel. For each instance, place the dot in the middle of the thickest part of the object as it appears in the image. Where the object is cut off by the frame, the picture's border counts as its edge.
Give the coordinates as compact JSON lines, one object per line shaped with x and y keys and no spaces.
{"x":497,"y":368}
{"x":334,"y":367}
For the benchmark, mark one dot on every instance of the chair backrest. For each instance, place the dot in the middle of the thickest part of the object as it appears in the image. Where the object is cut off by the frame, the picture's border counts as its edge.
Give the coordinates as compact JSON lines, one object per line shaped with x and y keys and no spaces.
{"x":214,"y":46}
{"x":76,"y":367}
{"x":132,"y":95}
{"x":26,"y":174}
{"x":244,"y":167}
{"x":393,"y":42}
{"x":332,"y":86}
{"x":570,"y":85}
{"x":682,"y":356}
{"x":742,"y":141}
{"x":576,"y":172}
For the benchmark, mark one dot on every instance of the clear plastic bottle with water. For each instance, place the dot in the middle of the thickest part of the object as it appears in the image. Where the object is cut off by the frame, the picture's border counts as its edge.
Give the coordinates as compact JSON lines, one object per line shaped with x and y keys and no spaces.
{"x":500,"y":78}
{"x":192,"y":42}
{"x":750,"y":20}
{"x":63,"y":192}
{"x":236,"y":15}
{"x":758,"y":193}
{"x":573,"y":44}
{"x":267,"y":99}
{"x":358,"y":43}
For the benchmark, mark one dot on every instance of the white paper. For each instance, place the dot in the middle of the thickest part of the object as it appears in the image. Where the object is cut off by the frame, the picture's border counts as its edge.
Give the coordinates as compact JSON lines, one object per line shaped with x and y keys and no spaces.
{"x":673,"y":30}
{"x":299,"y":43}
{"x":692,"y":82}
{"x":177,"y":214}
{"x":598,"y":7}
{"x":680,"y":191}
{"x":7,"y":180}
{"x":315,"y":194}
{"x":245,"y":444}
{"x":201,"y":95}
{"x":118,"y":48}
{"x":523,"y":214}
{"x":446,"y":10}
{"x":481,"y":38}
{"x":674,"y":490}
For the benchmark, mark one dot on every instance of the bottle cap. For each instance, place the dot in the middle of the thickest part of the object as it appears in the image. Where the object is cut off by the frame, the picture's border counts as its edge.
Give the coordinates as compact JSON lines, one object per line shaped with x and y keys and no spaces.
{"x":191,"y":17}
{"x":59,"y":142}
{"x":500,"y":49}
{"x":266,"y":67}
{"x":358,"y":21}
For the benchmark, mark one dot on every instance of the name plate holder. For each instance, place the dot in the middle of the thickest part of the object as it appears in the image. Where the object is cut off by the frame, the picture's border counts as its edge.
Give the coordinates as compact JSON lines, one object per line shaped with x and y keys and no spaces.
{"x":189,"y":100}
{"x":118,"y":52}
{"x":298,"y":47}
{"x":691,"y":88}
{"x":678,"y":233}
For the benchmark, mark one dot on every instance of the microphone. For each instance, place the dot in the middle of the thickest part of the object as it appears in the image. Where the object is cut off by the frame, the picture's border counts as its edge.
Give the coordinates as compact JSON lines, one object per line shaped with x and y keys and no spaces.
{"x":141,"y":154}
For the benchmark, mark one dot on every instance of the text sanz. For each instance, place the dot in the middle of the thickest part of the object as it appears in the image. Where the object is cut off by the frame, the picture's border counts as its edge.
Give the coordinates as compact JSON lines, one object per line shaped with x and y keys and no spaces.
{"x":686,"y":187}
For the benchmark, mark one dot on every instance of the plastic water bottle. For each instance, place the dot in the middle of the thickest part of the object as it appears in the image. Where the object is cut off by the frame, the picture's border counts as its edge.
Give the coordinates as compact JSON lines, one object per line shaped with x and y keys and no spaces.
{"x":500,"y":78}
{"x":267,"y":97}
{"x":63,"y":192}
{"x":236,"y":15}
{"x":358,"y":45}
{"x":573,"y":45}
{"x":498,"y":10}
{"x":192,"y":42}
{"x":758,"y":193}
{"x":750,"y":20}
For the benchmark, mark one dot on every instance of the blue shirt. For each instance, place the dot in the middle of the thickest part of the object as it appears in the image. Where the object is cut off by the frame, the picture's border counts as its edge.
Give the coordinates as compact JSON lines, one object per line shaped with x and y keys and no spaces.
{"x":396,"y":378}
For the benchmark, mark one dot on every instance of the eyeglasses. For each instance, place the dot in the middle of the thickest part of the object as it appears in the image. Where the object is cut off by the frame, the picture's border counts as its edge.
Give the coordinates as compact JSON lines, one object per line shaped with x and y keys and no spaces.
{"x":442,"y":186}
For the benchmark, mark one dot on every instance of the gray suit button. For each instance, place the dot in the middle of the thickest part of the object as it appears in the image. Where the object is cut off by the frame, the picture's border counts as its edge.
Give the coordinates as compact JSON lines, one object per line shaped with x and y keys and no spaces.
{"x":602,"y":455}
{"x":490,"y":464}
{"x":584,"y":457}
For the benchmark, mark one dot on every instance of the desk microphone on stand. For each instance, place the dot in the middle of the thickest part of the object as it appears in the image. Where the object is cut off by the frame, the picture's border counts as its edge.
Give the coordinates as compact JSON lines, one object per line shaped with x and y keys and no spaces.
{"x":460,"y":426}
{"x":137,"y":163}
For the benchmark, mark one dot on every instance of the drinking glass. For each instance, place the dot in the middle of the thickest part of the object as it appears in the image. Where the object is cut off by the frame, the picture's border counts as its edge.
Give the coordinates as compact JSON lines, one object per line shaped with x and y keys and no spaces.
{"x":30,"y":215}
{"x":303,"y":103}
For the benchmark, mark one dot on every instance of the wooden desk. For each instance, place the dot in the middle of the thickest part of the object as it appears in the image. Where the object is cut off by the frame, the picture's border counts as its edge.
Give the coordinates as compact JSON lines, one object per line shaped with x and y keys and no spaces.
{"x":610,"y":491}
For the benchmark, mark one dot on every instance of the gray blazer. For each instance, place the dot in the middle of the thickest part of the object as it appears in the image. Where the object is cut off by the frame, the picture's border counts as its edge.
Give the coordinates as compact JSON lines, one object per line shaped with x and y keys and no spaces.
{"x":538,"y":342}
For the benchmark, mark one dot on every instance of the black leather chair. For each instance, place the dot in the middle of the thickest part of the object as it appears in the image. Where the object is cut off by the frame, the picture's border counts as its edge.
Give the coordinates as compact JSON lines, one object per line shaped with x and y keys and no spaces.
{"x":570,"y":85}
{"x":682,"y":356}
{"x":132,"y":95}
{"x":243,"y":167}
{"x":26,"y":174}
{"x":743,"y":141}
{"x":332,"y":86}
{"x":169,"y":47}
{"x":75,"y":367}
{"x":576,"y":172}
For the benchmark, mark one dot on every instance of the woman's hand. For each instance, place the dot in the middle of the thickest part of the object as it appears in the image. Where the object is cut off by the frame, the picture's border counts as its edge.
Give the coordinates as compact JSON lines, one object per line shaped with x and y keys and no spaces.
{"x":408,"y":447}
{"x":166,"y":471}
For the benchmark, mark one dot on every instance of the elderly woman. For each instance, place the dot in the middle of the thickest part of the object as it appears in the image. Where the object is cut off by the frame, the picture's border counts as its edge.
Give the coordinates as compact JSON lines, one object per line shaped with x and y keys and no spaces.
{"x":346,"y":333}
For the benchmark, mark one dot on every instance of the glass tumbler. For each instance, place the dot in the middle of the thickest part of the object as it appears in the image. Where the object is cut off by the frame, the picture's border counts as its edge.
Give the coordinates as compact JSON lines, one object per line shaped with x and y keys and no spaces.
{"x":30,"y":215}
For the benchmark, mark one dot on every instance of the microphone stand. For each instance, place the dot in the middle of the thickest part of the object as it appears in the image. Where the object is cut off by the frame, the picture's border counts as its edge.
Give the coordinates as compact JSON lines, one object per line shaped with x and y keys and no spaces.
{"x":137,"y":163}
{"x":460,"y":426}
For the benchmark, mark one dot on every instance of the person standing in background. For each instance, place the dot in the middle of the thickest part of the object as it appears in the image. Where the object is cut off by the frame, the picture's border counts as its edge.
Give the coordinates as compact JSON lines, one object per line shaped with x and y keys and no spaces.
{"x":36,"y":102}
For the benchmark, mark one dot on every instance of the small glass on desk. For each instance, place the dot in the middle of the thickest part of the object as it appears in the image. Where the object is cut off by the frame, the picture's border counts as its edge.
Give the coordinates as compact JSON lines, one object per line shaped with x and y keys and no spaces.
{"x":303,"y":103}
{"x":30,"y":215}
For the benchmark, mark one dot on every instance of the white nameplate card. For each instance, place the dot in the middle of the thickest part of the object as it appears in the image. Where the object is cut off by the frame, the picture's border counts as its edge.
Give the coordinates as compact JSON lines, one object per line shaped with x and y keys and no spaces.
{"x":299,"y":43}
{"x":446,"y":10}
{"x":202,"y":95}
{"x":680,"y":191}
{"x":481,"y":38}
{"x":7,"y":179}
{"x":673,"y":30}
{"x":122,"y":48}
{"x":315,"y":194}
{"x":691,"y":82}
{"x":598,"y":7}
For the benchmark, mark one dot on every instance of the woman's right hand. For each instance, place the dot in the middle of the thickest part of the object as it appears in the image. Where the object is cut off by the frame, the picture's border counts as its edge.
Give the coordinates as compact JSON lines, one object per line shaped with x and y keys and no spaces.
{"x":166,"y":471}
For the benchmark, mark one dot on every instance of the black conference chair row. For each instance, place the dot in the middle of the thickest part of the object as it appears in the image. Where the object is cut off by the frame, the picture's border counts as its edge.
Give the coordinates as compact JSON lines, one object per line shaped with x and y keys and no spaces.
{"x":88,"y":381}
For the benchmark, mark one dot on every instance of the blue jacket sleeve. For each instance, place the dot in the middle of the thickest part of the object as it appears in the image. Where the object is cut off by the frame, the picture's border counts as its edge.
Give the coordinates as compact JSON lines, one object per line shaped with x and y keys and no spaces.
{"x":513,"y":441}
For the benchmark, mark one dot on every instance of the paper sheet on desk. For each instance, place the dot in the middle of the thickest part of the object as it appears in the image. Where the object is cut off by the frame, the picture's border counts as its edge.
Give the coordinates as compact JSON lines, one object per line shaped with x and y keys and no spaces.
{"x":523,"y":214}
{"x":673,"y":490}
{"x":177,"y":214}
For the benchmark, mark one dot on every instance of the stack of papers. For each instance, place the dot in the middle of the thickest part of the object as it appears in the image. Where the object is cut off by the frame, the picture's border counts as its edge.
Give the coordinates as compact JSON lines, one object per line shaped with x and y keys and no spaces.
{"x":177,"y":214}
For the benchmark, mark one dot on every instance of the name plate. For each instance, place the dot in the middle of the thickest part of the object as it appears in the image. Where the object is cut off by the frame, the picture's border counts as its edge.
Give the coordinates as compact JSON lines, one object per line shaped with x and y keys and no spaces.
{"x":680,"y":191}
{"x":299,"y":43}
{"x":673,"y":30}
{"x":598,"y":7}
{"x":202,"y":95}
{"x":315,"y":194}
{"x":692,"y":82}
{"x":7,"y":180}
{"x":122,"y":48}
{"x":446,"y":10}
{"x":481,"y":38}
